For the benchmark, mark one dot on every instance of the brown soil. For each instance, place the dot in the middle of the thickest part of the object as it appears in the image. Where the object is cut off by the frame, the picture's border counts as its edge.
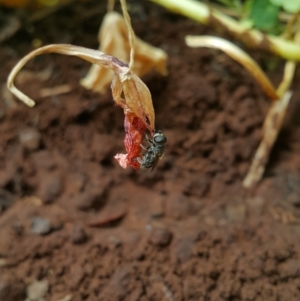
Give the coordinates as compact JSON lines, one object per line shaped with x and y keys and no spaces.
{"x":71,"y":217}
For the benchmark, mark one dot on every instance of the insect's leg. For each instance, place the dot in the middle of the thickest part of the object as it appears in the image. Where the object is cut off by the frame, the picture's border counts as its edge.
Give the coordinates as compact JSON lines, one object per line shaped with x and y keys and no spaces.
{"x":143,"y":147}
{"x":148,"y":140}
{"x":139,"y":160}
{"x":142,"y":162}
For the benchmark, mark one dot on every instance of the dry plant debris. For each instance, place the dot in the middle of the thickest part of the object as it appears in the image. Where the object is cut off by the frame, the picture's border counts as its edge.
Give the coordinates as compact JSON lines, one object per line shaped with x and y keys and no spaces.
{"x":61,"y":89}
{"x":137,"y":101}
{"x":284,"y":216}
{"x":281,"y":97}
{"x":271,"y":128}
{"x":113,"y":40}
{"x":238,"y":55}
{"x":205,"y":14}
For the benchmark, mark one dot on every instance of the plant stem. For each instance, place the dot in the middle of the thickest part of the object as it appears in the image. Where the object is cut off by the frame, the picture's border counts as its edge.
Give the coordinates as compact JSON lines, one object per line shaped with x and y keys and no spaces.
{"x":202,"y":13}
{"x":272,"y":124}
{"x":90,"y":55}
{"x":110,"y":5}
{"x":131,"y":35}
{"x":271,"y":128}
{"x":238,"y":55}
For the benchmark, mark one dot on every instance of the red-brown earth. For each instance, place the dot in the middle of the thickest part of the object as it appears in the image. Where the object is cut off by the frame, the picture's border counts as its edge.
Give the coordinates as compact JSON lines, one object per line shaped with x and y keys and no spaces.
{"x":76,"y":226}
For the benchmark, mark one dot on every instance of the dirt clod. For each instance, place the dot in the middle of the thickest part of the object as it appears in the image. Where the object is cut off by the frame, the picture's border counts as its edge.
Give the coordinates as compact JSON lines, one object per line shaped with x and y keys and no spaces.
{"x":11,"y":289}
{"x":160,"y":236}
{"x":50,"y":187}
{"x":6,"y":200}
{"x":78,"y":234}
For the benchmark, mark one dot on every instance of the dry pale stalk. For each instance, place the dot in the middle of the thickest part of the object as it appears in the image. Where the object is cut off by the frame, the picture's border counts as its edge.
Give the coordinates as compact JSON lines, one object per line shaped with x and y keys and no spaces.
{"x":272,"y":124}
{"x":238,"y":55}
{"x":271,"y":128}
{"x":58,"y":90}
{"x":131,"y":35}
{"x":113,"y":40}
{"x":281,"y":97}
{"x":7,"y":98}
{"x":110,"y":5}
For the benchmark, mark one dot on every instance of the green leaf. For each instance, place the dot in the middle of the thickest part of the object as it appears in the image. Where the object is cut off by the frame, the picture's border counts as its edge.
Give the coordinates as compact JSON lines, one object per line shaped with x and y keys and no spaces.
{"x":277,"y":2}
{"x":291,"y":6}
{"x":264,"y":15}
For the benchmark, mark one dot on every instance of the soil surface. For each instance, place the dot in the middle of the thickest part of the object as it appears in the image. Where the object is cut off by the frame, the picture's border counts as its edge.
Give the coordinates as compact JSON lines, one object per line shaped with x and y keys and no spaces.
{"x":76,"y":226}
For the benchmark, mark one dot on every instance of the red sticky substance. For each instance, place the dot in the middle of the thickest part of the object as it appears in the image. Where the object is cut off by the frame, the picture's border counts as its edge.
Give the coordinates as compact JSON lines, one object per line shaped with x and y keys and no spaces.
{"x":135,"y":130}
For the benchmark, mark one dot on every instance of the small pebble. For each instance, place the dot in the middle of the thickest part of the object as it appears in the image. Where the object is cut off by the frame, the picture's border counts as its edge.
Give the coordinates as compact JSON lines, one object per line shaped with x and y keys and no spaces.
{"x":160,"y":237}
{"x":30,"y":138}
{"x":114,"y":241}
{"x":37,"y":290}
{"x":40,"y":226}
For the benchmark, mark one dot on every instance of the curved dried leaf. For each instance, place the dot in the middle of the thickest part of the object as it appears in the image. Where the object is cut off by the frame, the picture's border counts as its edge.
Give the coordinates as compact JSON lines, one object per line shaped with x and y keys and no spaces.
{"x":138,"y":99}
{"x":90,"y":55}
{"x":113,"y":39}
{"x":237,"y":54}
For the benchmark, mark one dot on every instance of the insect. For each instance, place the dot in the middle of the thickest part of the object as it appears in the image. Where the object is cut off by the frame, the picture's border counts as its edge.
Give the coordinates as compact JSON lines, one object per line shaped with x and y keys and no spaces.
{"x":154,"y":152}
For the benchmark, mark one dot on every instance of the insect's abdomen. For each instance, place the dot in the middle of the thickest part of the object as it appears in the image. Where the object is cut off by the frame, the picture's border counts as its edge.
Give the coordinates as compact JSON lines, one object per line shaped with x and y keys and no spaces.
{"x":160,"y":150}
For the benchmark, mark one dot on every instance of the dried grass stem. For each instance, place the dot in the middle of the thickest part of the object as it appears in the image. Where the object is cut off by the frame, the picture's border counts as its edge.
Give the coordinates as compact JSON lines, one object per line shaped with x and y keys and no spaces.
{"x":131,"y":35}
{"x":238,"y":55}
{"x":90,"y":55}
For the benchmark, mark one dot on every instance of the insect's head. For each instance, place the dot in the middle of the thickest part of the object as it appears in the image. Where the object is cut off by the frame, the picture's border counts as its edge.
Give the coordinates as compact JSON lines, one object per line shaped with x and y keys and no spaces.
{"x":160,"y":138}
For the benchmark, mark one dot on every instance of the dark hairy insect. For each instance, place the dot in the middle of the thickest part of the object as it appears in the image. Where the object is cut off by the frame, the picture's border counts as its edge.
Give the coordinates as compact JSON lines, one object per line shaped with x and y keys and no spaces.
{"x":154,"y":152}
